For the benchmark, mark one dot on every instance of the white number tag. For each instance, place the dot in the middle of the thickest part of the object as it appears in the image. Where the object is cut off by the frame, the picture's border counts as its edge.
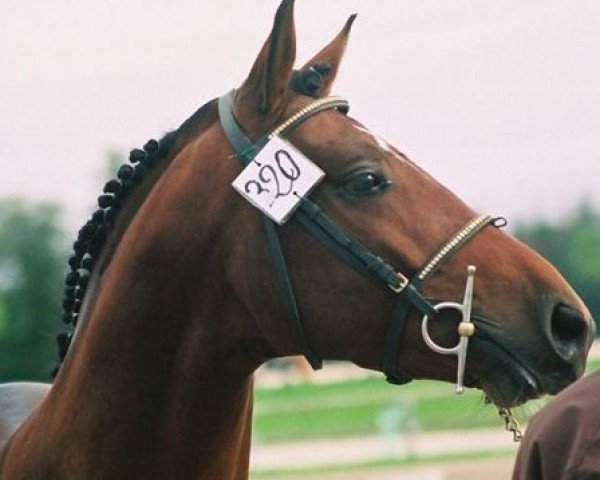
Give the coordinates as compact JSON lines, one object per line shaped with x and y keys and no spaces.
{"x":277,"y":179}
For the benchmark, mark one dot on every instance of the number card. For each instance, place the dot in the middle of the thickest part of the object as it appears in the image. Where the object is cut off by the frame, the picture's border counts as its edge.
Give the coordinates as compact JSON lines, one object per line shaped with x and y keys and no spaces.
{"x":277,"y":179}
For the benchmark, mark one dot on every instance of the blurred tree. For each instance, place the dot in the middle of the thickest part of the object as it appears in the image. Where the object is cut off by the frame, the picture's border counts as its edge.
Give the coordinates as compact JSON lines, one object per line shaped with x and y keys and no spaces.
{"x":573,"y":246}
{"x":31,"y":268}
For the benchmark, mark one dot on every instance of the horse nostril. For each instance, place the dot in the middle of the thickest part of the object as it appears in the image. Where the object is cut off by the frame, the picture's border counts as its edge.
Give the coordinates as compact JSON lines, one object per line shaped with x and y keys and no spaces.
{"x":570,"y":331}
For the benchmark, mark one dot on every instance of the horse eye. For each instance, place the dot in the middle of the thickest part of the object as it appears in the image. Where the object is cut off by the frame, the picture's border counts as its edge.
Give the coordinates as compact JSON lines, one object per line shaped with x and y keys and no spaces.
{"x":365,"y":183}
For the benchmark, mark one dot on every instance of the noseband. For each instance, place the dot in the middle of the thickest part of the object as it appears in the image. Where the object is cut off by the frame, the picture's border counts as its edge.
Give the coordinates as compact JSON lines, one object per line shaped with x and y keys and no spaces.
{"x":356,"y":255}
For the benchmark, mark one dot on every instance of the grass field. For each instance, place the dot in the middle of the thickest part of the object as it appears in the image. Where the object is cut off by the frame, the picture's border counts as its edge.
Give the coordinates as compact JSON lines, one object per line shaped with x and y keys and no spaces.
{"x":366,"y":406}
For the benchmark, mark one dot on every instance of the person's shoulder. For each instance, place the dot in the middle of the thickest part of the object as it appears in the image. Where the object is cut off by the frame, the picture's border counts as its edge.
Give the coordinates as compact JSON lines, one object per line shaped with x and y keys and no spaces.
{"x":573,"y":408}
{"x":563,"y":439}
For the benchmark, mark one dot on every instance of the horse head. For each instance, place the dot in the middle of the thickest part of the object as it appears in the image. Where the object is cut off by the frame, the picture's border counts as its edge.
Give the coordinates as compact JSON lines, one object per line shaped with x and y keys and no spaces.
{"x":532,"y":331}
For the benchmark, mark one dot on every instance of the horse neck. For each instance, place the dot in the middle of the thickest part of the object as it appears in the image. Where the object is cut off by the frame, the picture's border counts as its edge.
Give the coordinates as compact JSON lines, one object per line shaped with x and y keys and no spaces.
{"x":161,"y":366}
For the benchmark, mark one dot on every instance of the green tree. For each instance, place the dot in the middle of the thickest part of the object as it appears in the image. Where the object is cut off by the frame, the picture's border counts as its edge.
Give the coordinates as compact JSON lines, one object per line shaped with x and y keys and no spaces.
{"x":31,"y":268}
{"x":573,"y":246}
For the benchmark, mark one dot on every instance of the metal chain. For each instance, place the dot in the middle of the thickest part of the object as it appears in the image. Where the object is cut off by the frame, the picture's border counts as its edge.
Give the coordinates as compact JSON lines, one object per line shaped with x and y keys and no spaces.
{"x":511,"y":424}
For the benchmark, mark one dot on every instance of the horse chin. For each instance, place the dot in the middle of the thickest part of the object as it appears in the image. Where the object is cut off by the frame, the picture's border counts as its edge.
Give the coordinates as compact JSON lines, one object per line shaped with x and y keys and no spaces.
{"x":504,"y":379}
{"x":509,"y":391}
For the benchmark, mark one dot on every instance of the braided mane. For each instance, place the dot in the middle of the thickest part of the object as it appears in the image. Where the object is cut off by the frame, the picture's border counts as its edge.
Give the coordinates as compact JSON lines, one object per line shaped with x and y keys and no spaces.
{"x":92,"y":236}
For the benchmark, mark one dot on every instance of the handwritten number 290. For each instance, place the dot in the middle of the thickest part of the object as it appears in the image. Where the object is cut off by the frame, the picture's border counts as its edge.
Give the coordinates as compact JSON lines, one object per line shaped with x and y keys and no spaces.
{"x":287,"y":169}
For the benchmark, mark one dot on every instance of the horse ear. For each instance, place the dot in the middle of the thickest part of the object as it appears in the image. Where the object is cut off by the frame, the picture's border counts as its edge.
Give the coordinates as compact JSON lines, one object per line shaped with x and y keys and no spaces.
{"x":266,"y":85}
{"x":317,"y":76}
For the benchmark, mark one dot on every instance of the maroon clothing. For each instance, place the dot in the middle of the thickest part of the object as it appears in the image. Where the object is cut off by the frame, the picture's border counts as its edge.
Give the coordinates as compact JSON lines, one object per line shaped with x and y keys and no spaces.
{"x":562,"y":441}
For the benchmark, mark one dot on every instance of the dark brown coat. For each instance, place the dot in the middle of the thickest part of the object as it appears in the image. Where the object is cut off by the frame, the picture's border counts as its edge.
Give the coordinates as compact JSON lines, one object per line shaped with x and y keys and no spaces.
{"x":563,"y":439}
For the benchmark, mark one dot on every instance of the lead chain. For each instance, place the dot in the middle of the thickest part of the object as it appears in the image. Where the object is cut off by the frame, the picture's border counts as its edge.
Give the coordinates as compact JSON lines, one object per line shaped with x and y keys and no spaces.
{"x":511,"y":424}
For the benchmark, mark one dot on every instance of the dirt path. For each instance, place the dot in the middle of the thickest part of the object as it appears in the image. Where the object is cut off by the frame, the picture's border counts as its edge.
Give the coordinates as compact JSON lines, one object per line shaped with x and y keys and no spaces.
{"x":364,"y":449}
{"x":490,"y":469}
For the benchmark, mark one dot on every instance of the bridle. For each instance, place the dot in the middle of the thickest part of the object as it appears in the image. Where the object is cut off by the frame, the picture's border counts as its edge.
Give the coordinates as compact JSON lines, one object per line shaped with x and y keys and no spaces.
{"x":356,"y":255}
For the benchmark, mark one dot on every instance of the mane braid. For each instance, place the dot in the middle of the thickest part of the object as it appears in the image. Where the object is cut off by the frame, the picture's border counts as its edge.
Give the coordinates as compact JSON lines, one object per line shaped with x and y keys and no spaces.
{"x":92,"y":235}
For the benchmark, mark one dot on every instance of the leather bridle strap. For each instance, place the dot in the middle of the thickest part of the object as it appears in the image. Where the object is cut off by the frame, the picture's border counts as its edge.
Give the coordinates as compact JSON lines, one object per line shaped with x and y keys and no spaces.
{"x":245,"y":150}
{"x":348,"y":249}
{"x":314,"y":220}
{"x":356,"y":255}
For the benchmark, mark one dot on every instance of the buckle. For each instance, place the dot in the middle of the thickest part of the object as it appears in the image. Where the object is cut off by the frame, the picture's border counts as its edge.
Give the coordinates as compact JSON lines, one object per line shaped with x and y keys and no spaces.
{"x":403,"y":282}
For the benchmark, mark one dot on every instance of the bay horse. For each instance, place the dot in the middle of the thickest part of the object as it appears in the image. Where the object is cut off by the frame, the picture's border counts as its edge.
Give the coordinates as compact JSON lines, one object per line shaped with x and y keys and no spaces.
{"x":179,"y":297}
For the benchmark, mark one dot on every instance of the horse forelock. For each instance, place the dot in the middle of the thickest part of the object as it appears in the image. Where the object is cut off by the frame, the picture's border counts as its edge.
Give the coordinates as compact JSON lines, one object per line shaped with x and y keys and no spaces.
{"x":119,"y":203}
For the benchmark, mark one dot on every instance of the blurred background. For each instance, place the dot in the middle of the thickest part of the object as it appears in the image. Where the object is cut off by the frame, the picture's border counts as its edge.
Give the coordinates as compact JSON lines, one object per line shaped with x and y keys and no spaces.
{"x":498,"y":100}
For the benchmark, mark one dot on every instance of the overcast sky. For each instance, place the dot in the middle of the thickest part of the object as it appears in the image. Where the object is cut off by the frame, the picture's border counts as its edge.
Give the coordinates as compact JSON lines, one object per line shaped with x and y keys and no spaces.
{"x":499,"y":100}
